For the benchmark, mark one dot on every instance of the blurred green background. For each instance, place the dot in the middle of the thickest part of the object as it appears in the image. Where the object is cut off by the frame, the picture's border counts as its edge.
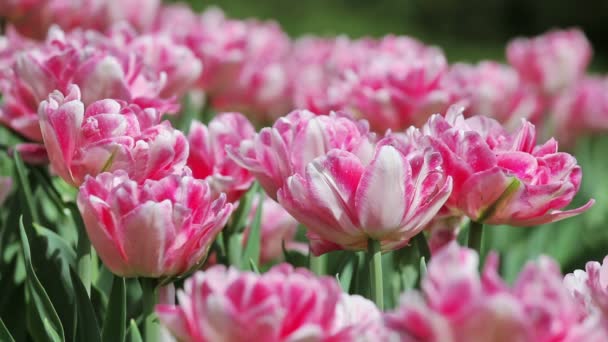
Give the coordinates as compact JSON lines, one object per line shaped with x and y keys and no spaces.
{"x":467,"y":30}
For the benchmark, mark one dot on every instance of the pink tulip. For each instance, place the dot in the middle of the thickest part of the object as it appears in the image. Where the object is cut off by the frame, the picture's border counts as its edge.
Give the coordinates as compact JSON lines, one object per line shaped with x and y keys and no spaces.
{"x":294,"y":140}
{"x":590,"y":288}
{"x":107,"y":136}
{"x":34,"y":17}
{"x":551,"y":61}
{"x":208,"y":158}
{"x":159,"y":228}
{"x":492,"y":89}
{"x":502,"y":178}
{"x":399,"y":85}
{"x":313,"y":66}
{"x":278,"y":229}
{"x":87,"y":59}
{"x":457,"y":304}
{"x":283,"y":304}
{"x":166,"y":57}
{"x":344,"y":200}
{"x":6,"y":186}
{"x":360,"y":318}
{"x":581,"y":109}
{"x":393,"y":82}
{"x":242,"y":59}
{"x":11,"y":45}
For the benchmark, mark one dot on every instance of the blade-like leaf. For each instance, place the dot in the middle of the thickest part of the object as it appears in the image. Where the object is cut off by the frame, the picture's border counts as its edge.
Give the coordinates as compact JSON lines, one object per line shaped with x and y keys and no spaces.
{"x":84,"y":258}
{"x":252,"y":247}
{"x":116,"y":313}
{"x":347,"y":272}
{"x":5,"y":335}
{"x":87,"y":328}
{"x":239,"y":219}
{"x":134,"y":335}
{"x":40,"y":299}
{"x":25,"y":188}
{"x":56,"y":244}
{"x":50,"y":330}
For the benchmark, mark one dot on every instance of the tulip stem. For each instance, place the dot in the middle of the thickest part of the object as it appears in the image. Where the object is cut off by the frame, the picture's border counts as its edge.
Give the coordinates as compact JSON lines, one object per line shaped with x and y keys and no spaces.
{"x":149,"y":298}
{"x":475,"y":236}
{"x":375,"y":265}
{"x":318,"y":264}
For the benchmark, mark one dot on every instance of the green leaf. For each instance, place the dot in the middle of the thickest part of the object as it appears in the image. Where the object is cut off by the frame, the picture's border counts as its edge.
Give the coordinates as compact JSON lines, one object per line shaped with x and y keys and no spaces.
{"x":252,"y":247}
{"x":116,"y":313}
{"x":56,"y":244}
{"x":87,"y":328}
{"x":5,"y":335}
{"x":239,"y":219}
{"x":253,"y":266}
{"x":134,"y":335}
{"x":347,"y":272}
{"x":39,"y":297}
{"x":50,"y":330}
{"x":84,"y":257}
{"x":24,"y":186}
{"x":44,"y":179}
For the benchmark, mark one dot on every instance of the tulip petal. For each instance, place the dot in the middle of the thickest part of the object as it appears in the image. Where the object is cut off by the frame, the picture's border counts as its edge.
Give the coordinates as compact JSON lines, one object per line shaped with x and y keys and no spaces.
{"x":382,"y":197}
{"x":145,"y":230}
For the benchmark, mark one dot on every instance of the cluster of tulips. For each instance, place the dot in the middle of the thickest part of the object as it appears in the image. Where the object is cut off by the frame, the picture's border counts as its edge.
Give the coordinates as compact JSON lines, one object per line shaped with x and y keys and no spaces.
{"x":389,"y":159}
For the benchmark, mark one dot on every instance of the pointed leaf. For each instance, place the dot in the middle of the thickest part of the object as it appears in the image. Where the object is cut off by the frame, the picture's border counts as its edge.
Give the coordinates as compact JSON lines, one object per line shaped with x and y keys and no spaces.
{"x":239,"y":218}
{"x":87,"y":329}
{"x":25,"y":188}
{"x":56,"y":244}
{"x":252,"y":247}
{"x":5,"y":335}
{"x":116,"y":314}
{"x":51,"y":333}
{"x":134,"y":334}
{"x":40,"y":299}
{"x":347,"y":272}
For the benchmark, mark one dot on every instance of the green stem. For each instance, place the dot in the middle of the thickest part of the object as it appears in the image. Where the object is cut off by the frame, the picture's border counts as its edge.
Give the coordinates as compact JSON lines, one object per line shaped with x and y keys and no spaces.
{"x":475,"y":236}
{"x":318,"y":264}
{"x":234,"y":249}
{"x":149,"y":300}
{"x":375,"y":265}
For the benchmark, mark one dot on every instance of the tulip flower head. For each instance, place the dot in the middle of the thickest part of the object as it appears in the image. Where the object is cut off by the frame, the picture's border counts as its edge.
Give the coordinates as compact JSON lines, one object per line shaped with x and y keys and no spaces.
{"x":590,"y":288}
{"x":551,"y":61}
{"x":283,"y":304}
{"x":458,"y":304}
{"x":209,"y":160}
{"x":160,"y":228}
{"x":294,"y":140}
{"x":492,"y":89}
{"x":502,"y":178}
{"x":108,"y":135}
{"x":344,"y":200}
{"x":87,"y":59}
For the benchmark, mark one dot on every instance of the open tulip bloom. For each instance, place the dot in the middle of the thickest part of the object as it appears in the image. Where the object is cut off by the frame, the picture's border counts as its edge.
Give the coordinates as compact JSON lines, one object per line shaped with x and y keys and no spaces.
{"x":503,"y":178}
{"x":160,"y":228}
{"x":344,"y":201}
